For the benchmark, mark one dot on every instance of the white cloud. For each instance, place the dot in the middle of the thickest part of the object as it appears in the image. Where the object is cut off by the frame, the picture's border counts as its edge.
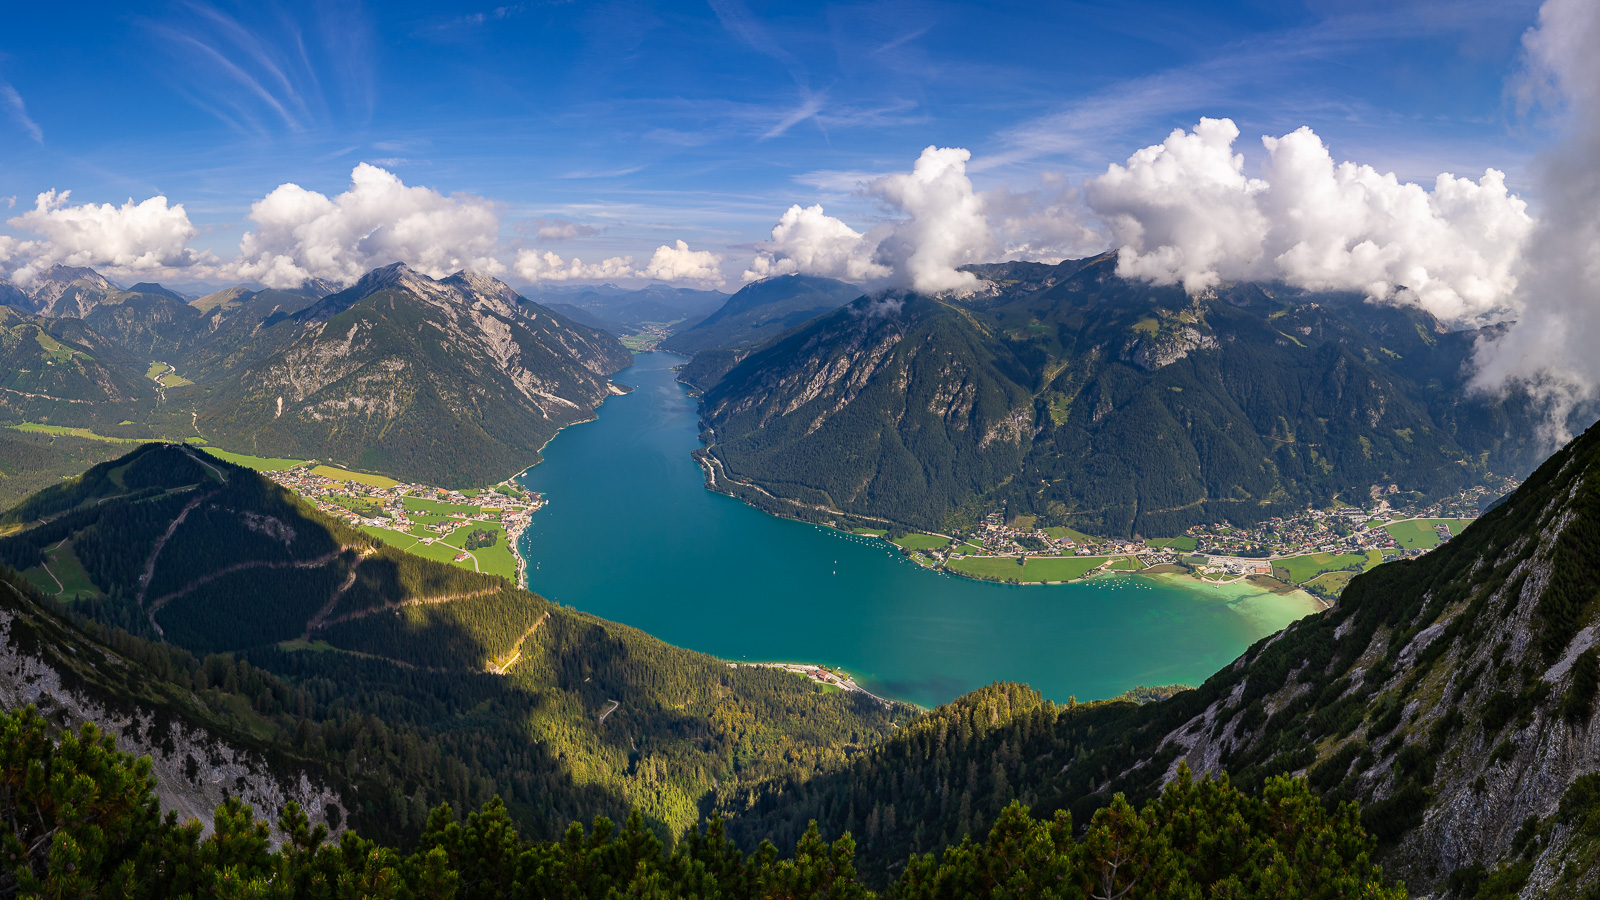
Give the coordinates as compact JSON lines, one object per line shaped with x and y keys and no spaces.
{"x":810,"y":242}
{"x":1045,"y":224}
{"x":946,"y":227}
{"x":302,"y":234}
{"x":558,"y":229}
{"x":543,"y":265}
{"x":942,"y":226}
{"x":679,"y":263}
{"x":19,"y":112}
{"x":1551,"y":349}
{"x":669,"y":263}
{"x":1184,"y":211}
{"x":136,"y":237}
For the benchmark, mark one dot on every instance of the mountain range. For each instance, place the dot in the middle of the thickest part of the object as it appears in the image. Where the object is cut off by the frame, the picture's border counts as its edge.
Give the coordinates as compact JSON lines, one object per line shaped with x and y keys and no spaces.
{"x":457,"y":381}
{"x":622,"y":311}
{"x":1109,"y":405}
{"x":1445,"y":705}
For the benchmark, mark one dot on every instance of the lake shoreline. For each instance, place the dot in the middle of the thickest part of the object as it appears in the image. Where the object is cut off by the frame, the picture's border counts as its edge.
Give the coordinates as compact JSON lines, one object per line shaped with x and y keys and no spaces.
{"x":633,"y":535}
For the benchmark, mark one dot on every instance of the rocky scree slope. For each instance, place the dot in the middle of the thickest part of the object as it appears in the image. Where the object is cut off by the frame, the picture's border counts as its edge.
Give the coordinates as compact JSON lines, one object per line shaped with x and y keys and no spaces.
{"x":455,"y":382}
{"x":199,"y":760}
{"x":68,"y":291}
{"x":1110,"y":405}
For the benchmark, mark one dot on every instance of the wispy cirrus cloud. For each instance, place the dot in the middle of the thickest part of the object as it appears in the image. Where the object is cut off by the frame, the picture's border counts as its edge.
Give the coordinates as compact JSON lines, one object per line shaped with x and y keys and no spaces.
{"x":259,"y":71}
{"x":12,"y":101}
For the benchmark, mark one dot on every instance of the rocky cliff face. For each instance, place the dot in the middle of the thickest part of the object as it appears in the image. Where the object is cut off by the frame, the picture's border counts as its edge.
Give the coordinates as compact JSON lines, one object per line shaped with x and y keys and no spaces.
{"x":69,"y":291}
{"x":71,"y":680}
{"x":454,"y":381}
{"x":1453,"y":695}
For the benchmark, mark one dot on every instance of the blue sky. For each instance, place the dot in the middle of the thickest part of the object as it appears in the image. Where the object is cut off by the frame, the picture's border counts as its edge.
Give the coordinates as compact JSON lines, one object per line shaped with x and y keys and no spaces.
{"x":641,"y":124}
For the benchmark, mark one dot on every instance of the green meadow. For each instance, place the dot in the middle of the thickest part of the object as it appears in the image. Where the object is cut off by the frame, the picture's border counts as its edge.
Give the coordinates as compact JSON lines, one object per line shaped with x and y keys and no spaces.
{"x":921,"y":542}
{"x":1304,"y":568}
{"x":259,"y":463}
{"x":1418,"y":534}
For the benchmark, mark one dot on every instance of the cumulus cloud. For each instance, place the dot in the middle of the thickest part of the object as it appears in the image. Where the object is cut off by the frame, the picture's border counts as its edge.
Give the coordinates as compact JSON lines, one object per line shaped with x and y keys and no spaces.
{"x":941,"y":226}
{"x":1048,"y":223}
{"x":1551,"y":349}
{"x":543,"y":265}
{"x":669,"y":263}
{"x":135,"y":237}
{"x":1184,"y":211}
{"x":808,"y":241}
{"x":679,"y":263}
{"x":303,"y":234}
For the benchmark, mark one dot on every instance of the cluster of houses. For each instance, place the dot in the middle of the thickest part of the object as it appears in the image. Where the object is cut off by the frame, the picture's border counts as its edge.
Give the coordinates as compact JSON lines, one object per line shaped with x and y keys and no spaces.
{"x":384,"y":507}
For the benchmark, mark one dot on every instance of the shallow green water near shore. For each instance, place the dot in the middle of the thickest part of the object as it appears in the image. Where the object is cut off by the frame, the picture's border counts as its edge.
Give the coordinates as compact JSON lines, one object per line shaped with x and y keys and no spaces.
{"x":631,"y":534}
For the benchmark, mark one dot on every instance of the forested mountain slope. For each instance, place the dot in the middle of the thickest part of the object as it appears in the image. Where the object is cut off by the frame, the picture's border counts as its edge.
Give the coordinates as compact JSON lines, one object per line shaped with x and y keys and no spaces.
{"x":761,"y":311}
{"x":1453,"y":695}
{"x":409,"y":682}
{"x":60,"y":370}
{"x":1198,"y":839}
{"x":1110,"y":405}
{"x":455,"y":382}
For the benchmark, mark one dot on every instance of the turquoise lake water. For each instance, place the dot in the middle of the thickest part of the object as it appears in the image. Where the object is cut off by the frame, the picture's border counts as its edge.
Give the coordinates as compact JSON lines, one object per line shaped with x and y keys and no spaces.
{"x":631,"y":534}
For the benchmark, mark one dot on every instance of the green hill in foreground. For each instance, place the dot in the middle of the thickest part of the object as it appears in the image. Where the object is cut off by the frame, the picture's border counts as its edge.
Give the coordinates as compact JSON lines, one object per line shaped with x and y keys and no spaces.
{"x":403,"y":682}
{"x":83,"y":821}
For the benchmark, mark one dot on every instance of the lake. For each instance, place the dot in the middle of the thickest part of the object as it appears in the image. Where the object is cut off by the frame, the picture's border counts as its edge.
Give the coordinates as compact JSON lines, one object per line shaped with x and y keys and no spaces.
{"x":632,"y":535}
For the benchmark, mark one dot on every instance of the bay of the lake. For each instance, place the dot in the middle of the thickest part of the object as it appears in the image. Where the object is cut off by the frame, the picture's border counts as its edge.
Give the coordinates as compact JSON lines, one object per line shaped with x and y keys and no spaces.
{"x":632,"y":535}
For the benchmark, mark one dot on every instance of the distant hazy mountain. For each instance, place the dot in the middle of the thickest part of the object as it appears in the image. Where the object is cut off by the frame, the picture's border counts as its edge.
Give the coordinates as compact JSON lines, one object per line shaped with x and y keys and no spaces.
{"x":13,"y":296}
{"x":69,"y":291}
{"x":624,"y":311}
{"x":763,"y":310}
{"x":456,"y":381}
{"x":1111,"y":405}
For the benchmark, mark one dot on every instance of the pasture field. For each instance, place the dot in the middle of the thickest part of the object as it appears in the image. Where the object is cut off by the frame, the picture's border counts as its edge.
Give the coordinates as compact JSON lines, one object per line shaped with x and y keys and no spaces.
{"x":495,"y":559}
{"x":921,"y":542}
{"x":437,"y":551}
{"x":1183,"y":544}
{"x":1304,"y":568}
{"x":1332,"y":582}
{"x":377,"y":481}
{"x":65,"y":579}
{"x":1061,"y":532}
{"x":1419,"y":534}
{"x":74,"y":432}
{"x":259,"y":463}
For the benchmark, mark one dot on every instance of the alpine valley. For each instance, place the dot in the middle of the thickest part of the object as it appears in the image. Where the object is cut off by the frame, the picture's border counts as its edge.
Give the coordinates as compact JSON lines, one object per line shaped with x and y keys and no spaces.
{"x":409,"y":728}
{"x":1105,"y":404}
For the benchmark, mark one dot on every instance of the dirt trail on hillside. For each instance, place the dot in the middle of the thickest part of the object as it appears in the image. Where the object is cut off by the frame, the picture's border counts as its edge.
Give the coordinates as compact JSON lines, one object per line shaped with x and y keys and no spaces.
{"x":413,"y":601}
{"x":517,"y":648}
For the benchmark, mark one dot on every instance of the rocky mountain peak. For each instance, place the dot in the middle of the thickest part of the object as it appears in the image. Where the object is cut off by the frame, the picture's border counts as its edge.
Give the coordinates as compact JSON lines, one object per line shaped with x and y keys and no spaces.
{"x":69,"y":291}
